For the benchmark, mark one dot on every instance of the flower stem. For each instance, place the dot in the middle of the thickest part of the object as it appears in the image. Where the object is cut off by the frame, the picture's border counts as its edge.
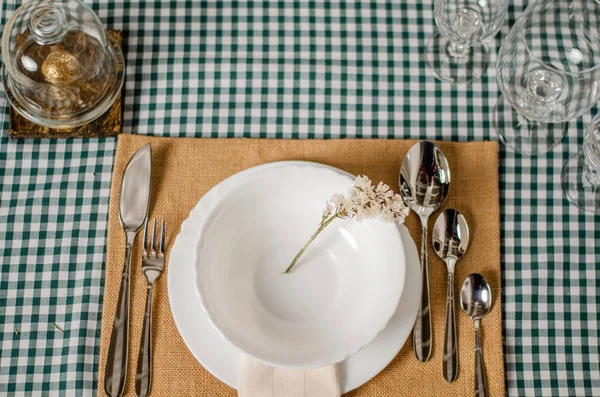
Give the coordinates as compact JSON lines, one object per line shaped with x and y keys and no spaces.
{"x":322,"y":226}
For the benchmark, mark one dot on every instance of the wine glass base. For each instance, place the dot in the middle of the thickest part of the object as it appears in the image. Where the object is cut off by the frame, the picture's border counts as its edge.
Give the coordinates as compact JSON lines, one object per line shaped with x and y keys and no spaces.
{"x":455,"y":64}
{"x":580,"y":184}
{"x":523,"y":135}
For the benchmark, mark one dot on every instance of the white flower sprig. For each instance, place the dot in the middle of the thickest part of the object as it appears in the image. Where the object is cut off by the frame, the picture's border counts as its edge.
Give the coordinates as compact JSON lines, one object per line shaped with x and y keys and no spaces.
{"x":370,"y":201}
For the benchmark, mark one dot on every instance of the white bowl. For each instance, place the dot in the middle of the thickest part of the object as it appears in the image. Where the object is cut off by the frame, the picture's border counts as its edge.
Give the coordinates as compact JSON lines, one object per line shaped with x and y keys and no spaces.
{"x":340,"y":295}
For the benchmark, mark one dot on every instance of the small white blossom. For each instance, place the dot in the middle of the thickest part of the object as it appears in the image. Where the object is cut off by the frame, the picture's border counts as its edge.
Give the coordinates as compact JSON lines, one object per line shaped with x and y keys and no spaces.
{"x":382,"y":188}
{"x":387,"y":215}
{"x":362,"y":183}
{"x":337,"y":199}
{"x":329,"y":210}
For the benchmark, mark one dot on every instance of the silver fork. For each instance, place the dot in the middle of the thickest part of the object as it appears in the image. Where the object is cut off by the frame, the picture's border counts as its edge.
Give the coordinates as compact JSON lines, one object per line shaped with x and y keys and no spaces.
{"x":152,"y":266}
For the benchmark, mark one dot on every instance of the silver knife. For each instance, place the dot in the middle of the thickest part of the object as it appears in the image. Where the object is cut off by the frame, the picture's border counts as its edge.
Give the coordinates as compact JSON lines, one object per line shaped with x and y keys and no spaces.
{"x":133,"y":211}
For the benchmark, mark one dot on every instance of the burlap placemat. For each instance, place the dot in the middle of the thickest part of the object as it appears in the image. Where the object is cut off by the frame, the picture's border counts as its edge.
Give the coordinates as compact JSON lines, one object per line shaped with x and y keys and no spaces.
{"x":184,"y":169}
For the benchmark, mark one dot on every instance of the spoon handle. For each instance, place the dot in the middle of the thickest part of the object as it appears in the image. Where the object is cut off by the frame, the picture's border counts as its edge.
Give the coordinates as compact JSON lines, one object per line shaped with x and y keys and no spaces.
{"x":422,"y":330}
{"x":450,"y":360}
{"x":480,"y":382}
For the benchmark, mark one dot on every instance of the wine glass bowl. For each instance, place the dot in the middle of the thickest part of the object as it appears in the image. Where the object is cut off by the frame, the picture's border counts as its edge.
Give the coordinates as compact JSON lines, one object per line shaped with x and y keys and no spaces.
{"x":457,"y":52}
{"x":548,"y":71}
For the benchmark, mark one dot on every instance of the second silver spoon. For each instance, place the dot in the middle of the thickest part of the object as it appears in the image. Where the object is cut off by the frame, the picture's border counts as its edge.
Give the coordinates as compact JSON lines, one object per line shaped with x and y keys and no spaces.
{"x":450,"y":242}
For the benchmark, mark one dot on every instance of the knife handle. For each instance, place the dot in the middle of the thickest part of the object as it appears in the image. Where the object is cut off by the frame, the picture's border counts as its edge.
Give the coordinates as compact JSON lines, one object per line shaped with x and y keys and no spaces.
{"x":116,"y":363}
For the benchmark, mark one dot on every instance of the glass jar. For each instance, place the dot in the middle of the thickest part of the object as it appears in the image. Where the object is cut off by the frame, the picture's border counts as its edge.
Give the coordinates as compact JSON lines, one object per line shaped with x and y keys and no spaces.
{"x":61,"y":68}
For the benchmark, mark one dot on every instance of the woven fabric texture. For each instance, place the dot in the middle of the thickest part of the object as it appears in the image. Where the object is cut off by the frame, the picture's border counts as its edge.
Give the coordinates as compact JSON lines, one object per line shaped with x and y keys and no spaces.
{"x":185,"y":169}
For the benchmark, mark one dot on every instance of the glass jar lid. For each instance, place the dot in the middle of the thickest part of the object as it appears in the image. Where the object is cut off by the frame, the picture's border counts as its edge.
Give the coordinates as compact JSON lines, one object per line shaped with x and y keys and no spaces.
{"x":61,"y":68}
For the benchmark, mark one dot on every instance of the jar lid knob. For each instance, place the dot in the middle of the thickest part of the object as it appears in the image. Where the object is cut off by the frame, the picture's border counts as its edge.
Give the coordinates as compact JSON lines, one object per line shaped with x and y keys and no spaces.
{"x":47,"y":24}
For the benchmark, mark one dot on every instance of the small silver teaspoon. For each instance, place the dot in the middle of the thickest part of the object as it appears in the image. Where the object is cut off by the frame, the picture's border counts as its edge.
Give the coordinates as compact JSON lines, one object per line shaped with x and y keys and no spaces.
{"x":424,"y":185}
{"x":450,"y":242}
{"x":476,"y":301}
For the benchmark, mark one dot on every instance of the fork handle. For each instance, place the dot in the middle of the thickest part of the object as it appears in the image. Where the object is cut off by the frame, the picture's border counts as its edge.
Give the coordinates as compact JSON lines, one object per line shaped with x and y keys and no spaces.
{"x":143,"y":377}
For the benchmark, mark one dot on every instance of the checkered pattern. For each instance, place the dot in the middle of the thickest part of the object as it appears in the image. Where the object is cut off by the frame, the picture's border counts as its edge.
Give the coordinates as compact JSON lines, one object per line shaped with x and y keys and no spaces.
{"x":282,"y":69}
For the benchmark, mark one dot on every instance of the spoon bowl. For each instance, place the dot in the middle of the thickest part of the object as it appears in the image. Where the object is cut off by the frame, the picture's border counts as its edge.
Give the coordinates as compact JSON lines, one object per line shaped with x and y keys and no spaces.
{"x":450,"y":237}
{"x":424,"y":178}
{"x":424,"y":183}
{"x":476,"y":297}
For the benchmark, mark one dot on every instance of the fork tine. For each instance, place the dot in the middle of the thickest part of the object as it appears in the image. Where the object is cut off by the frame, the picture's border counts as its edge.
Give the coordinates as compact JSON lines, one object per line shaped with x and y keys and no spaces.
{"x":154,"y":238}
{"x":145,"y":243}
{"x":162,"y":238}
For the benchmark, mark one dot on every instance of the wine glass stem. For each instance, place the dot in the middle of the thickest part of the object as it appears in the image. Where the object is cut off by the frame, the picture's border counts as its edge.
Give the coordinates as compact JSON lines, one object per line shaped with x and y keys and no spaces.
{"x":539,"y":99}
{"x":457,"y":50}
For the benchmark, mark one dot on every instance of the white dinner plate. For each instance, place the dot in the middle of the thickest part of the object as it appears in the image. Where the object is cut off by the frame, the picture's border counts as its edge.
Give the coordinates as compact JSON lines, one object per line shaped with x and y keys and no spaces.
{"x":221,"y":357}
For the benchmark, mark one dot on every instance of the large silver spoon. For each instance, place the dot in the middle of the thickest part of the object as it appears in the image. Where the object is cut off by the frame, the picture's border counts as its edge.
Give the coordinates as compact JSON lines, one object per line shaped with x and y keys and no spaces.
{"x":476,"y":301}
{"x":424,"y":184}
{"x":450,"y":242}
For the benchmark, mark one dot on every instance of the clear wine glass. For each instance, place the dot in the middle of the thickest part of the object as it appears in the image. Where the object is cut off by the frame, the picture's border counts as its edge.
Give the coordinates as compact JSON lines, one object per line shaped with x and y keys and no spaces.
{"x":580,"y":178}
{"x":548,"y":71}
{"x":457,"y":52}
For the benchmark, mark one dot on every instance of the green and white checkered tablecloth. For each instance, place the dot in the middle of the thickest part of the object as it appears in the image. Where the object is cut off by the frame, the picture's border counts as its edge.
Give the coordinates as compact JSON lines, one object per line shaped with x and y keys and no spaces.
{"x":282,"y":69}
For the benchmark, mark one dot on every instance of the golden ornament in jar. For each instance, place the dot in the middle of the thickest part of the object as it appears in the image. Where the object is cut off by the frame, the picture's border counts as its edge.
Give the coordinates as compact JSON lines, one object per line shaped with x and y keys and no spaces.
{"x":60,"y":68}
